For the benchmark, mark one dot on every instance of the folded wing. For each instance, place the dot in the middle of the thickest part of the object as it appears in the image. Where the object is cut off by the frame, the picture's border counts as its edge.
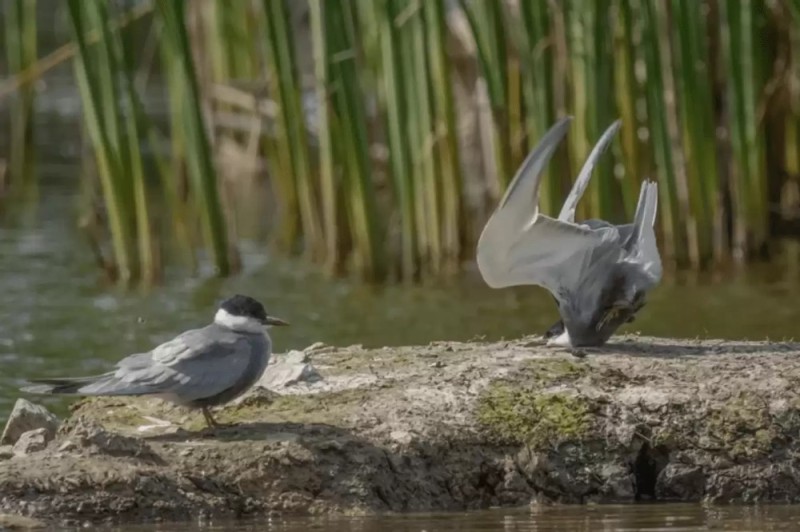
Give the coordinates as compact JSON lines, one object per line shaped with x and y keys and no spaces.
{"x":193,"y":365}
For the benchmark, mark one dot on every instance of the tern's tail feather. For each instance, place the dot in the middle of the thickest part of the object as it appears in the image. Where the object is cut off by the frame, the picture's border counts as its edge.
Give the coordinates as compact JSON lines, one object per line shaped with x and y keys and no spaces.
{"x":60,"y":386}
{"x":74,"y":386}
{"x":645,"y":215}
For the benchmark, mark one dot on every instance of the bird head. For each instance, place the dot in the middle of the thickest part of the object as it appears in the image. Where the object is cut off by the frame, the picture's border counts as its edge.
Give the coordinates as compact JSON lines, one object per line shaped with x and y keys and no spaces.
{"x":601,"y":305}
{"x":243,"y":313}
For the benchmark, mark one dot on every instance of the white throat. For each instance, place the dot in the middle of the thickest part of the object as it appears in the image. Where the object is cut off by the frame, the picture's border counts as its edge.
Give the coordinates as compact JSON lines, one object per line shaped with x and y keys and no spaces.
{"x":562,"y":340}
{"x":237,"y":323}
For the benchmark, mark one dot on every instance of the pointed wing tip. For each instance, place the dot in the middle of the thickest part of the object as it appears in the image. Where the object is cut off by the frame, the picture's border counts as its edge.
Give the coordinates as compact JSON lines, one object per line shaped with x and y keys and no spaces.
{"x":561,"y":126}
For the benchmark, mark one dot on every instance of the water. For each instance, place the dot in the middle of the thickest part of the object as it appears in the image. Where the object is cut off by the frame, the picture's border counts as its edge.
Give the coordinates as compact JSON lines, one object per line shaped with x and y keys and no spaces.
{"x":619,"y":518}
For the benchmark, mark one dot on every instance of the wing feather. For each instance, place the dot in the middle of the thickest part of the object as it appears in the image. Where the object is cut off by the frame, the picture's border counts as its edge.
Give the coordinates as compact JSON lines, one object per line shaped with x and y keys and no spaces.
{"x":567,"y":213}
{"x":195,"y":364}
{"x":641,"y":242}
{"x":548,"y":252}
{"x":521,"y":246}
{"x":522,"y":194}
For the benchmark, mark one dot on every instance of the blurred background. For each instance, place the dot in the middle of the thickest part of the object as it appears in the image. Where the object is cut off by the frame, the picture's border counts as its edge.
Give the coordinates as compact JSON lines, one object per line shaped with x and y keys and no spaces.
{"x":337,"y":160}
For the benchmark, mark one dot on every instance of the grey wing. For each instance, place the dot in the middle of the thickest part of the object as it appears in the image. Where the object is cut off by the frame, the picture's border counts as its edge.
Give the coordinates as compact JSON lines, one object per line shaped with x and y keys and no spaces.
{"x":521,"y":246}
{"x":522,"y":195}
{"x":546,"y":252}
{"x":194,"y":365}
{"x":567,"y":213}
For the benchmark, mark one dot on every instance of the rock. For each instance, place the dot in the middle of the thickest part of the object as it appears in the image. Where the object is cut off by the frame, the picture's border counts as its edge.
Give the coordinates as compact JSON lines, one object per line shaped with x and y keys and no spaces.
{"x":19,"y":522}
{"x":97,"y":440}
{"x":258,"y":396}
{"x":31,"y":442}
{"x":499,"y":424}
{"x":681,"y":482}
{"x":28,"y":416}
{"x":318,"y":347}
{"x":6,"y":452}
{"x":287,"y":370}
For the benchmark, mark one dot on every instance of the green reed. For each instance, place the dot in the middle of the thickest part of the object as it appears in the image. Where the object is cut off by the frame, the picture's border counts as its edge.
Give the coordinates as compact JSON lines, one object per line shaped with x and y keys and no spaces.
{"x":293,"y":147}
{"x":378,"y":185}
{"x":187,"y":103}
{"x":107,"y":95}
{"x":21,"y":52}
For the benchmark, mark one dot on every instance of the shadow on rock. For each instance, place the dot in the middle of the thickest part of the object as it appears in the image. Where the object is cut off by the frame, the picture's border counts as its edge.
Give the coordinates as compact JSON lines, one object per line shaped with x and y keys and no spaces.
{"x":667,"y":349}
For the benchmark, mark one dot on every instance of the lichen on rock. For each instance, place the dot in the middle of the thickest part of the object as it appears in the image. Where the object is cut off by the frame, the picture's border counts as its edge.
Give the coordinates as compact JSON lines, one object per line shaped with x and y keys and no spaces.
{"x":541,"y":419}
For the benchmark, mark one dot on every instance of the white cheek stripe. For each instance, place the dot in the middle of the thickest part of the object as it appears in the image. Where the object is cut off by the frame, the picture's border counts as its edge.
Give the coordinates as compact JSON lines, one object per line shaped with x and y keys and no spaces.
{"x":237,"y":323}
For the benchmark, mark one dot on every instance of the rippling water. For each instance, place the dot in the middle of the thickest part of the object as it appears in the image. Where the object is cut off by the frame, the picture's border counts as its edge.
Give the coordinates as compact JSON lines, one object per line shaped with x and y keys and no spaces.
{"x":618,"y":518}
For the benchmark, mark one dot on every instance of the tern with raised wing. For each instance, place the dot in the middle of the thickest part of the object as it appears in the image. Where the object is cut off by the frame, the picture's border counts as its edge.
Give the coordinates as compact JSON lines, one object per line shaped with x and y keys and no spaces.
{"x":598,"y":273}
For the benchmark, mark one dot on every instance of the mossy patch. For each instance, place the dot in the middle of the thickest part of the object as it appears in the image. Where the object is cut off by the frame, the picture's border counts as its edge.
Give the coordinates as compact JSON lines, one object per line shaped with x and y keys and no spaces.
{"x":330,"y":408}
{"x":551,"y":371}
{"x":742,"y":426}
{"x":126,"y":414}
{"x":528,"y":416}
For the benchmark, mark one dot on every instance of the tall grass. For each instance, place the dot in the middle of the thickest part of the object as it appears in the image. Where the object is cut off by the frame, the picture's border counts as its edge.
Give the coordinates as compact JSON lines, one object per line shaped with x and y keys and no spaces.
{"x":118,"y":125}
{"x":199,"y":158}
{"x":107,"y":95}
{"x":21,"y":52}
{"x":394,"y":179}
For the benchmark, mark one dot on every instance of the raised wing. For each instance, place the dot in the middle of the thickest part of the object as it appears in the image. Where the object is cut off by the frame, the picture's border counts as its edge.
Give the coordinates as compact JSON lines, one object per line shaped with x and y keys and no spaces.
{"x":549,"y":253}
{"x":522,"y":194}
{"x":567,"y":213}
{"x":521,"y":246}
{"x":194,"y":365}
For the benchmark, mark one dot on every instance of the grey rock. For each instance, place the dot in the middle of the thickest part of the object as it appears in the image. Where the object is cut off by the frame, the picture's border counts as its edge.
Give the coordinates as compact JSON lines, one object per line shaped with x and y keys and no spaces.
{"x":681,"y":482}
{"x":27,"y":416}
{"x":618,"y":484}
{"x":287,"y":370}
{"x":32,"y":441}
{"x":97,"y":440}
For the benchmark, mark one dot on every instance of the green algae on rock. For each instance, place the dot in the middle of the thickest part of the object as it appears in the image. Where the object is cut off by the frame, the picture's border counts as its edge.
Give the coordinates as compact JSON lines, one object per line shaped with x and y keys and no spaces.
{"x":540,"y":419}
{"x":447,"y":426}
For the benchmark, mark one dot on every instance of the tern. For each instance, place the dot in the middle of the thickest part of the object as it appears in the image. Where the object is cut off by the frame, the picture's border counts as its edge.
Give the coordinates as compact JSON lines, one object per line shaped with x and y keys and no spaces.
{"x":598,"y":273}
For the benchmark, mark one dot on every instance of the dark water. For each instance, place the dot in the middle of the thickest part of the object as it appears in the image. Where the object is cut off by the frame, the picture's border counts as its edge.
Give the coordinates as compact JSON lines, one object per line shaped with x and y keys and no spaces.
{"x":618,"y":518}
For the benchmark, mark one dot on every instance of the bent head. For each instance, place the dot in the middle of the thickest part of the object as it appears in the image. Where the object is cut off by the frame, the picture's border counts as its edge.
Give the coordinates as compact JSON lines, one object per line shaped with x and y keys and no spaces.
{"x":595,"y":312}
{"x":243,"y":313}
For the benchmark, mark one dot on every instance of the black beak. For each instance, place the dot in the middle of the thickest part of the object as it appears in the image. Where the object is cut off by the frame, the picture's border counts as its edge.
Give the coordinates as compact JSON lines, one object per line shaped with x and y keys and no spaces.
{"x":272,"y":320}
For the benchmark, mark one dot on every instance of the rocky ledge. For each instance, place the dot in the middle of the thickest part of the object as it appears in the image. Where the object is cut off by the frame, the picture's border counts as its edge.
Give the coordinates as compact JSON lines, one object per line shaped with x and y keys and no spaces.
{"x":447,"y":426}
